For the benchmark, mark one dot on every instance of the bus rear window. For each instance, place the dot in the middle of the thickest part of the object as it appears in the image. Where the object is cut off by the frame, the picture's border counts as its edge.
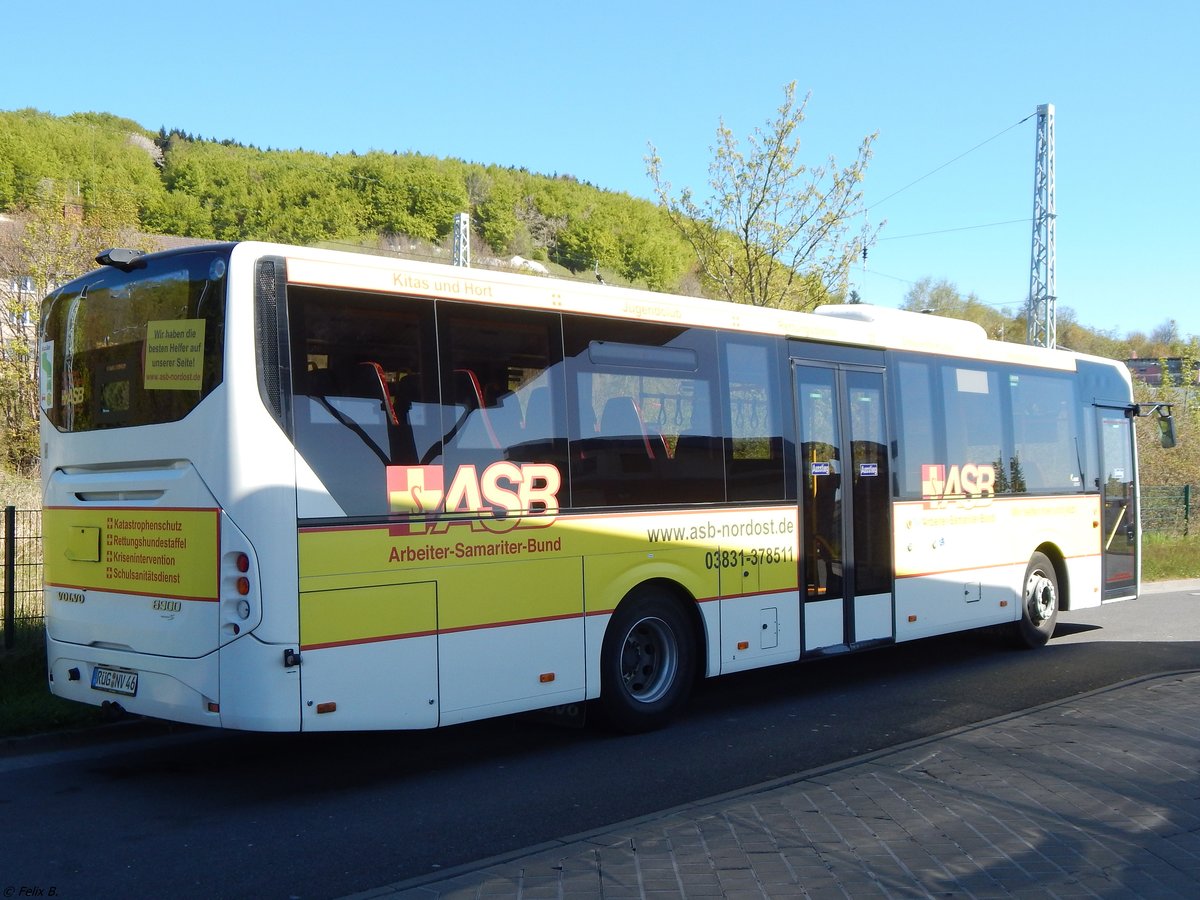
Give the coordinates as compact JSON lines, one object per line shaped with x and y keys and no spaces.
{"x":142,"y":347}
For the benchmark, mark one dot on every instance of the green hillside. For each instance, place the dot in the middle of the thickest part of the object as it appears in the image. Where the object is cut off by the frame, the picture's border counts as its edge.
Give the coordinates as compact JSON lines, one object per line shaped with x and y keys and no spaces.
{"x":171,"y":182}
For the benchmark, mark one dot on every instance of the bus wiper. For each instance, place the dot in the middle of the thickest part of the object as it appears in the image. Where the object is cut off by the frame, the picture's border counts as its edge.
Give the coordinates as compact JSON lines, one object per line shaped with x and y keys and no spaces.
{"x":122,"y":258}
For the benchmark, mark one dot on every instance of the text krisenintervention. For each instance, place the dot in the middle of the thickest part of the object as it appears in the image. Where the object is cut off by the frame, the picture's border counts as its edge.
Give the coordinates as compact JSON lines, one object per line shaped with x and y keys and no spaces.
{"x":145,"y":559}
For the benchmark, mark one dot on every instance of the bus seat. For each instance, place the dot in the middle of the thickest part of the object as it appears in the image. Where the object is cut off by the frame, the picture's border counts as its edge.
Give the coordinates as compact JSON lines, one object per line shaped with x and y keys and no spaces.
{"x":367,"y":379}
{"x":539,"y":419}
{"x":699,"y":467}
{"x":507,"y":420}
{"x":659,"y":448}
{"x":466,"y":389}
{"x":467,"y":393}
{"x":319,"y":383}
{"x":699,"y":449}
{"x":621,"y":420}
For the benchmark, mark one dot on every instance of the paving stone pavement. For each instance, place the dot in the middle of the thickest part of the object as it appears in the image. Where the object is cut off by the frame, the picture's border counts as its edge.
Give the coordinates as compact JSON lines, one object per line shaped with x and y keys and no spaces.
{"x":1095,"y":796}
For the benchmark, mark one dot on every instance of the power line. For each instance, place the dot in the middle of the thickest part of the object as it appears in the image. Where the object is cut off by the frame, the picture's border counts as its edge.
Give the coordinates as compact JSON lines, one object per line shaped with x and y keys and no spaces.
{"x":998,"y":306}
{"x":897,"y":237}
{"x":886,"y":275}
{"x":950,"y":162}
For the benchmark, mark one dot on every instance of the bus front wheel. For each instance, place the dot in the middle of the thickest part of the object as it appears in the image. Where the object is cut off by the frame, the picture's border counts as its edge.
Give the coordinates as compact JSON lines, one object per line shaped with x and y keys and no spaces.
{"x":1039,"y":603}
{"x":648,"y":662}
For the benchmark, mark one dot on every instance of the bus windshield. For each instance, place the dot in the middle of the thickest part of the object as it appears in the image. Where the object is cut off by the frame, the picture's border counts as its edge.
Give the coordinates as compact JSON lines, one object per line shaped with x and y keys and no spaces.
{"x":134,"y":348}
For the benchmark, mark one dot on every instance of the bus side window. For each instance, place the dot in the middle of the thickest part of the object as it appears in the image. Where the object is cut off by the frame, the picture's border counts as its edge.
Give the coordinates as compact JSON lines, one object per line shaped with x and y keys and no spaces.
{"x":1044,"y":431}
{"x":978,"y":419}
{"x":501,"y":384}
{"x":754,"y":432}
{"x":358,"y":369}
{"x":919,"y":419}
{"x":643,"y":413}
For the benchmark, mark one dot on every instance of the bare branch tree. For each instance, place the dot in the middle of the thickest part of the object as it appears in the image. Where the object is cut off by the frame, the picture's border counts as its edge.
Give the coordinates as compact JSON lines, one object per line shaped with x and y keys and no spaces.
{"x":772,"y":231}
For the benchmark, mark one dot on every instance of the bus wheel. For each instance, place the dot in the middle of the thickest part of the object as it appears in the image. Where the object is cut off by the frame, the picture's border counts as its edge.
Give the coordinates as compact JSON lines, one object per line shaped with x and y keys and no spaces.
{"x":647,"y":663}
{"x":1039,"y":603}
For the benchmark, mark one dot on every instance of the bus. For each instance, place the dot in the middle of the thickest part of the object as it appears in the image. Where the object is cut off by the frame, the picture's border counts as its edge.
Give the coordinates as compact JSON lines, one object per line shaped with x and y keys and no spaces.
{"x":295,"y":489}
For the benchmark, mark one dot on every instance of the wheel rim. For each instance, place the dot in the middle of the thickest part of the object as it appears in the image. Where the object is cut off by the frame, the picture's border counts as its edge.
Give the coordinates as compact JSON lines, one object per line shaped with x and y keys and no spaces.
{"x":1041,"y":598}
{"x":649,"y":660}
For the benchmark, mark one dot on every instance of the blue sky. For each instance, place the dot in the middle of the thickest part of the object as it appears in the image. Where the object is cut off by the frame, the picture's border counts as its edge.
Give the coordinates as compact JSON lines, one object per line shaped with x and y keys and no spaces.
{"x":582,"y":89}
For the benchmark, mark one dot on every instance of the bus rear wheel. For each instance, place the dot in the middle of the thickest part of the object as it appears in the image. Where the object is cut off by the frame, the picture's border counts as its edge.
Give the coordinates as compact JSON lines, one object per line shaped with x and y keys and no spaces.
{"x":648,"y":662}
{"x":1039,"y":603}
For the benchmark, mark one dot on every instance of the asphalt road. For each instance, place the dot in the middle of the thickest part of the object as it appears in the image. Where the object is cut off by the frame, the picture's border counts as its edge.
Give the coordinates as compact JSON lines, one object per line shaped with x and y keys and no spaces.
{"x":186,"y":813}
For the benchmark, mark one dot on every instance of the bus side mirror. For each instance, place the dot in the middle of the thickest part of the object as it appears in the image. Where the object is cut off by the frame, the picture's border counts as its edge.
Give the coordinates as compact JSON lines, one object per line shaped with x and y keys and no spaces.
{"x":1166,"y":427}
{"x":1166,"y":423}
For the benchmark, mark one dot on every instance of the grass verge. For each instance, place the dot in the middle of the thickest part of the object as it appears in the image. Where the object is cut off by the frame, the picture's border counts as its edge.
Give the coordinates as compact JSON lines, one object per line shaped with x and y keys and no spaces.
{"x":1168,"y":557}
{"x":26,"y":704}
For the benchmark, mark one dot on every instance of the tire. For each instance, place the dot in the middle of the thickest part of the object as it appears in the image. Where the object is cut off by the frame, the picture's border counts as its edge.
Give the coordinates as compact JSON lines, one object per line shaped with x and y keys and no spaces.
{"x":1039,"y":603}
{"x":647,"y":662}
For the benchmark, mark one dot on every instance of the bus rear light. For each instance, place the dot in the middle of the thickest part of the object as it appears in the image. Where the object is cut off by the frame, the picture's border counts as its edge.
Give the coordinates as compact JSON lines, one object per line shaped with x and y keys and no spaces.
{"x":241,"y":607}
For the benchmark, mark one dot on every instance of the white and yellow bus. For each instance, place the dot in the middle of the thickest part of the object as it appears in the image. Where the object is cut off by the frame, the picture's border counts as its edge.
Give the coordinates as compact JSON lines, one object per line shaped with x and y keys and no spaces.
{"x":298,"y":489}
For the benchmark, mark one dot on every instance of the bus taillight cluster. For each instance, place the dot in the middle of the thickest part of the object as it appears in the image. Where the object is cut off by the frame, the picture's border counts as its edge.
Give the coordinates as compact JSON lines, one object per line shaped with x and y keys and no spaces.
{"x":237,"y":577}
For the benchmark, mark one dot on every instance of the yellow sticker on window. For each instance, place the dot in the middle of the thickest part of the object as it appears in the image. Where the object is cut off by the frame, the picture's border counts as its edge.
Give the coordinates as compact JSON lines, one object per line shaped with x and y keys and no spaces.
{"x":174,"y":355}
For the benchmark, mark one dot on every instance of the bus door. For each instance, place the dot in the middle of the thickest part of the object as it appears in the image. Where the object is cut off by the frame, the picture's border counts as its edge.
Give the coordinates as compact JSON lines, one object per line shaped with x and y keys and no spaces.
{"x":845,"y":506}
{"x":1118,"y":498}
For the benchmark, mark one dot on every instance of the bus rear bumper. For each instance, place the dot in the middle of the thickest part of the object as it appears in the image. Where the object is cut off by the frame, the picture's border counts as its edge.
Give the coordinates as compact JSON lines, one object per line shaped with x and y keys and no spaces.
{"x":178,"y":690}
{"x":261,"y":694}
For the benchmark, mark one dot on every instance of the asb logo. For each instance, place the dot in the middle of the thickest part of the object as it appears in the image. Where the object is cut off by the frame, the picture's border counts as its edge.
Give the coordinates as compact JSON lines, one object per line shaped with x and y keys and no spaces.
{"x":503,"y":497}
{"x":968,"y":485}
{"x":415,"y":489}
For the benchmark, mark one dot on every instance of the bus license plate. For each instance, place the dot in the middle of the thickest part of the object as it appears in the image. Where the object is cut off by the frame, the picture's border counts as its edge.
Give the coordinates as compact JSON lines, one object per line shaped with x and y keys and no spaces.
{"x":114,"y":681}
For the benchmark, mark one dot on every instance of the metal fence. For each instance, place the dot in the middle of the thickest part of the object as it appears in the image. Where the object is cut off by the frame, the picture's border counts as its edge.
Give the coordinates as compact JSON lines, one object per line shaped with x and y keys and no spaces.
{"x":21,"y":551}
{"x":1167,"y":509}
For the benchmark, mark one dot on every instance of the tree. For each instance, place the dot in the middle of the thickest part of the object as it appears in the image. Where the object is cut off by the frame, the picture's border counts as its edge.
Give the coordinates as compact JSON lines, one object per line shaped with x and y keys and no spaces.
{"x":772,"y":231}
{"x":493,"y":198}
{"x":589,"y":239}
{"x":409,"y":194}
{"x":942,"y":298}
